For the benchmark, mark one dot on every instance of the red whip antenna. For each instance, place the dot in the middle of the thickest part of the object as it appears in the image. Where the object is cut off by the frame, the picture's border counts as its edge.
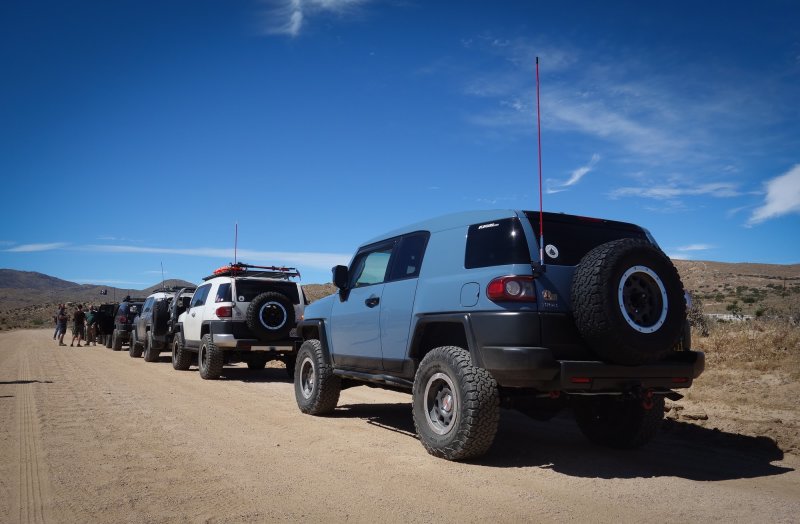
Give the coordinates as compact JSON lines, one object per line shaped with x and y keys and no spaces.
{"x":539,"y":131}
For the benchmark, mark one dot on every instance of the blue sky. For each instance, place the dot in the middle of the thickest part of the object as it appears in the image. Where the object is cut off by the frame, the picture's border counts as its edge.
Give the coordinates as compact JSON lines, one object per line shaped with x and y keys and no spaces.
{"x":137,"y":133}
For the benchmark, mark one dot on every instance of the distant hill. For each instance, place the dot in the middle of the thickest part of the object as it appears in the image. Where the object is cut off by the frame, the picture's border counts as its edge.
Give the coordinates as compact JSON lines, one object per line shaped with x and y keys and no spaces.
{"x":26,"y":288}
{"x":28,"y":299}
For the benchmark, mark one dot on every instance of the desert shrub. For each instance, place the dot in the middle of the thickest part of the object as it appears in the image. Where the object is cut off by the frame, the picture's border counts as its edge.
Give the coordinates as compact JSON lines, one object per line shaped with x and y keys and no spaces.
{"x":762,"y":344}
{"x":697,"y":318}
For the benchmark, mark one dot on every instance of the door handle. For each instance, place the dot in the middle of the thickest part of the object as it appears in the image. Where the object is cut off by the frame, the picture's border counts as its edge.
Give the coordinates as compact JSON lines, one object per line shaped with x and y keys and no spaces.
{"x":193,"y":313}
{"x":372,"y":301}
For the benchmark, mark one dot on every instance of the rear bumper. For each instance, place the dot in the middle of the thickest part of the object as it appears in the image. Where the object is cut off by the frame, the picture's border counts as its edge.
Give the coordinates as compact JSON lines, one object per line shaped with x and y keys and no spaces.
{"x":535,"y":367}
{"x":236,"y":335}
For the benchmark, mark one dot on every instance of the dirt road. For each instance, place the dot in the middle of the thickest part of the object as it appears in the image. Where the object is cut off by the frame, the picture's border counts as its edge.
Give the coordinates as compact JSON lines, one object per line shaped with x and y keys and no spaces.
{"x":91,"y":435}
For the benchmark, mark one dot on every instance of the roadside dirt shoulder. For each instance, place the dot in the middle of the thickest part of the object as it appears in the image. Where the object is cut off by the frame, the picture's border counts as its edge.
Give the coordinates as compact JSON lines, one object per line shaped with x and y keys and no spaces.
{"x":91,"y":435}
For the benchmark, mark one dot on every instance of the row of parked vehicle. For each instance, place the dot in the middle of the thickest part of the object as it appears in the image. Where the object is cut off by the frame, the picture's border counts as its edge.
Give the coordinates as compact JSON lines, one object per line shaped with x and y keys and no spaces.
{"x":468,"y":313}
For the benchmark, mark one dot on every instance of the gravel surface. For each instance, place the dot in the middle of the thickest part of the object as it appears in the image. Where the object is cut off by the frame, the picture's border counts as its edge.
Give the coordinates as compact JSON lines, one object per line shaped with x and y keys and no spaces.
{"x":91,"y":435}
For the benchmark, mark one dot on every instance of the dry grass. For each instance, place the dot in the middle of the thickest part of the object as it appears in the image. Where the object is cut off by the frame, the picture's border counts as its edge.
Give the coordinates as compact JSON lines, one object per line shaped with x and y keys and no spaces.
{"x":752,"y":380}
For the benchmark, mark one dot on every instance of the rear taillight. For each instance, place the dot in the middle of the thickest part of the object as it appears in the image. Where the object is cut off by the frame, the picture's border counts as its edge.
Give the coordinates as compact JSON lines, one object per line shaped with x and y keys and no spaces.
{"x":224,"y":311}
{"x":511,"y":288}
{"x":122,"y":319}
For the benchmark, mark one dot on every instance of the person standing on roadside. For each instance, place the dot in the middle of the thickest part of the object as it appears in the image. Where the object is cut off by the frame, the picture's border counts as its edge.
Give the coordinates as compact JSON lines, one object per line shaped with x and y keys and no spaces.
{"x":55,"y":321}
{"x":62,"y":324}
{"x":78,"y":326}
{"x":91,"y":326}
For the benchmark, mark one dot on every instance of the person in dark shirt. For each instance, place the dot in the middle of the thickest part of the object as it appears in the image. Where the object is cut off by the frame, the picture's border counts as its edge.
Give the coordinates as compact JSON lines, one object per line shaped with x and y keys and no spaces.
{"x":78,"y":325}
{"x":62,"y":319}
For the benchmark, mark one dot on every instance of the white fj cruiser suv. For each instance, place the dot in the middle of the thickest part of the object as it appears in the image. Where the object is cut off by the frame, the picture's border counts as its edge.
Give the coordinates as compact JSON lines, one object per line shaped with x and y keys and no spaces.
{"x":242,"y":313}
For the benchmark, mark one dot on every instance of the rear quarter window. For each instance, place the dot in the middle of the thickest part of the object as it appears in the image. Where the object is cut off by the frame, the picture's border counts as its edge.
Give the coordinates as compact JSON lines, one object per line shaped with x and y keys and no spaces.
{"x":496,"y":243}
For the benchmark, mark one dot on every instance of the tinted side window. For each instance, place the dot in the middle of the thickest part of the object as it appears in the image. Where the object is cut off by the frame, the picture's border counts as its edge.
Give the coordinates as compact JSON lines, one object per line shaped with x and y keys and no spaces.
{"x":408,"y":256}
{"x":496,"y":243}
{"x":370,"y":267}
{"x":223,"y":293}
{"x":200,"y":295}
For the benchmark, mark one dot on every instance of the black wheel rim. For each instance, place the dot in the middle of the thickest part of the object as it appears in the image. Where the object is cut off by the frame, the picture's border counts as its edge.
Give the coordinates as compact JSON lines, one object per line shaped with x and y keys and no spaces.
{"x":273,"y":315}
{"x":642,"y":299}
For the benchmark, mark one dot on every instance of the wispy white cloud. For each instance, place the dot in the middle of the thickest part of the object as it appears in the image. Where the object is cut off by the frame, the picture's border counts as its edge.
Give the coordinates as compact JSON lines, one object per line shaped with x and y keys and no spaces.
{"x":300,"y":259}
{"x":782,"y":197}
{"x":695,"y":247}
{"x":35,"y":248}
{"x":287,"y":17}
{"x":554,"y":186}
{"x":667,"y":192}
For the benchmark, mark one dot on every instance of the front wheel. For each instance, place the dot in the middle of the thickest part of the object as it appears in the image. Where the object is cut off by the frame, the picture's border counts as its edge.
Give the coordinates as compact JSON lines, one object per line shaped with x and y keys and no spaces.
{"x":181,"y":357}
{"x":623,"y":423}
{"x":456,"y":406}
{"x":316,"y":388}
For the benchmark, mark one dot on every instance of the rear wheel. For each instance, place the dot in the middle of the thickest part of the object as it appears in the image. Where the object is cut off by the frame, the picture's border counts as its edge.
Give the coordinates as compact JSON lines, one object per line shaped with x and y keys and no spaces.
{"x":456,"y":406}
{"x":290,"y":362}
{"x":116,"y":342}
{"x":107,"y":341}
{"x":210,"y":359}
{"x":150,"y":351}
{"x":181,"y":357}
{"x":616,"y":422}
{"x":134,"y":347}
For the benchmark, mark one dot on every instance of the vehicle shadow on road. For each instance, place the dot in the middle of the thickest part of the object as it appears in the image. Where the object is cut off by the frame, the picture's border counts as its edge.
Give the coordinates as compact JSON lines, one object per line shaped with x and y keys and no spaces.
{"x":255,"y":375}
{"x":26,"y":382}
{"x":394,"y":417}
{"x":681,"y":450}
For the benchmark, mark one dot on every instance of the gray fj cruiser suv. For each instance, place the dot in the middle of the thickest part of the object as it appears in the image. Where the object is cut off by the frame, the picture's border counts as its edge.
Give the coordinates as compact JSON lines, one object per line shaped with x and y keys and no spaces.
{"x":459,"y":311}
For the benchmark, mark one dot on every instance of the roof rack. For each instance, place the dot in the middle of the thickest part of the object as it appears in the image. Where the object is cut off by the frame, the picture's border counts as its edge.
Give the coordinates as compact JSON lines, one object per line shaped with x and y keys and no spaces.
{"x":241,"y":269}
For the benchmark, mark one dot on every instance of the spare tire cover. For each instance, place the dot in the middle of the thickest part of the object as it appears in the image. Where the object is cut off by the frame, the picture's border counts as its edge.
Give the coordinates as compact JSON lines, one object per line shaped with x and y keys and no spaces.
{"x":628,"y":302}
{"x":270,"y":316}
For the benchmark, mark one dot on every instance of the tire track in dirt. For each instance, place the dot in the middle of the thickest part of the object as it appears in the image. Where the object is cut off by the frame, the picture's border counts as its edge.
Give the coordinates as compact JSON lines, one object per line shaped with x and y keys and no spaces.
{"x":33,"y":484}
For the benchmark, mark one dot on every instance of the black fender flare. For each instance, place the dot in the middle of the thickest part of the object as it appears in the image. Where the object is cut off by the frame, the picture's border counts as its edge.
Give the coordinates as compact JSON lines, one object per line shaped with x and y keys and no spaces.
{"x":317,"y":324}
{"x":462,"y":319}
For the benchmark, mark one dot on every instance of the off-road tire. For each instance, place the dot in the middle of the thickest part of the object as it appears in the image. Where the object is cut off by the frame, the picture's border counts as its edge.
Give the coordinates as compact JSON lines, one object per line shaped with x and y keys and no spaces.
{"x":181,"y":357}
{"x":455,"y":405}
{"x":150,"y":352}
{"x":257,"y":361}
{"x":622,"y":423}
{"x":210,"y":359}
{"x":270,"y":316}
{"x":316,"y":388}
{"x":628,"y":302}
{"x":116,"y":343}
{"x":134,"y":347}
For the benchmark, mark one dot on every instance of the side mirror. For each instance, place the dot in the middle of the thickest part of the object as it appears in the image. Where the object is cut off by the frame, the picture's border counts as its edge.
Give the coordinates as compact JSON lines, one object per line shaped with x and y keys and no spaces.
{"x":340,"y":277}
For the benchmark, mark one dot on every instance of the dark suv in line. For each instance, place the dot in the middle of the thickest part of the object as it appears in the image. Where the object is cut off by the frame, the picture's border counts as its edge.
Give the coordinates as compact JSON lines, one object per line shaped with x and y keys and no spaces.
{"x":123,"y":321}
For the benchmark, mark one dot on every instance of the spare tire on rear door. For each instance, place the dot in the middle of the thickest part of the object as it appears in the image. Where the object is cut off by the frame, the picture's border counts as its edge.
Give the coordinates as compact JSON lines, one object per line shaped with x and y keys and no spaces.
{"x":270,"y":316}
{"x":628,"y":302}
